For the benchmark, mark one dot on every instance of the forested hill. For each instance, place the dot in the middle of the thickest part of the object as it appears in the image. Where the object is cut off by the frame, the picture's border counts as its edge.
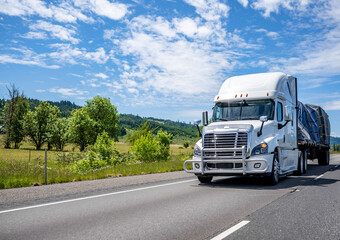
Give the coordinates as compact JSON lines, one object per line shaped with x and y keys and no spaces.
{"x":127,"y":121}
{"x":64,"y":106}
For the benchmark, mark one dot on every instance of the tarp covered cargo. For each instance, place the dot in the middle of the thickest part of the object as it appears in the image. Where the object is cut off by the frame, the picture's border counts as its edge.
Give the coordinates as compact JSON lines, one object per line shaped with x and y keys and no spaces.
{"x":313,"y":124}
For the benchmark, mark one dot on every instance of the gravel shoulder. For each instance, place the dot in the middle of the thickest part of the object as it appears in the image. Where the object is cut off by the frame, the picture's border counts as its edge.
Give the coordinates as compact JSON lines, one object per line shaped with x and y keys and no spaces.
{"x":15,"y":195}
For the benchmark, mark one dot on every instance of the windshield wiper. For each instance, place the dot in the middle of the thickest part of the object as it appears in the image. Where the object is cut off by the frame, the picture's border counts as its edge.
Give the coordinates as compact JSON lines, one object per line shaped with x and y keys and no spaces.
{"x":223,"y":119}
{"x":254,"y":118}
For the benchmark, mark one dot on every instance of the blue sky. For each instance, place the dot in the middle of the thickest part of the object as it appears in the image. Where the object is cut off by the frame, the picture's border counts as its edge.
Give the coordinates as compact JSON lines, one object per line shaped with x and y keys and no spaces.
{"x":167,"y":59}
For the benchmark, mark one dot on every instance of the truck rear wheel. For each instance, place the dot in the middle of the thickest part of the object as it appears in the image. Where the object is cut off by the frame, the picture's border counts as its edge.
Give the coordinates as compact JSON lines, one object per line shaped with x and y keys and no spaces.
{"x":323,"y":157}
{"x":205,"y":179}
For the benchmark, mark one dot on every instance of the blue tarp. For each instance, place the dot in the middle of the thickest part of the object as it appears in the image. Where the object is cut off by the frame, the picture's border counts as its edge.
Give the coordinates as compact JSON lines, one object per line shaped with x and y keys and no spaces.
{"x":313,"y":124}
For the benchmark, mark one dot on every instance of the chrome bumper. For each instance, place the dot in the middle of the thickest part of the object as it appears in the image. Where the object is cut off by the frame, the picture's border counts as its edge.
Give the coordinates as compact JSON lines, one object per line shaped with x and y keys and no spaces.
{"x":239,"y":156}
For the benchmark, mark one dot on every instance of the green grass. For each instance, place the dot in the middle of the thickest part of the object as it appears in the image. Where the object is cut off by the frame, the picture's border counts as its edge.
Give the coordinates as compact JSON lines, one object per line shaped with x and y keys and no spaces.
{"x":23,"y":167}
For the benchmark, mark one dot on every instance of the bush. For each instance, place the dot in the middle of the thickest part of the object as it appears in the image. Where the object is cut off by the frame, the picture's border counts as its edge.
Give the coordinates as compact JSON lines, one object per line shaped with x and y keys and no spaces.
{"x":102,"y":154}
{"x":186,"y":145}
{"x":149,"y":148}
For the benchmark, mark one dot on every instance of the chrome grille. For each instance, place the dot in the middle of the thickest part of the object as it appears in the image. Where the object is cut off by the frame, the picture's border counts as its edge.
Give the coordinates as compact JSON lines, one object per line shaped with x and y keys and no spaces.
{"x":226,"y":140}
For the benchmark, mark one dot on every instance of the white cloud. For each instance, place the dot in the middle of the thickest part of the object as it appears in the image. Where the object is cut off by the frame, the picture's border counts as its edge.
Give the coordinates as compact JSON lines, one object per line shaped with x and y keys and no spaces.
{"x":272,"y":35}
{"x":64,"y":12}
{"x":98,"y":56}
{"x":101,"y":75}
{"x":172,"y":65}
{"x":244,"y":3}
{"x":68,"y":91}
{"x":56,"y":31}
{"x":25,"y":56}
{"x":108,"y":34}
{"x":187,"y":26}
{"x":35,"y":35}
{"x":40,"y":90}
{"x":157,"y":25}
{"x":210,"y":10}
{"x":112,"y":10}
{"x":273,"y":6}
{"x":67,"y":54}
{"x":333,"y":105}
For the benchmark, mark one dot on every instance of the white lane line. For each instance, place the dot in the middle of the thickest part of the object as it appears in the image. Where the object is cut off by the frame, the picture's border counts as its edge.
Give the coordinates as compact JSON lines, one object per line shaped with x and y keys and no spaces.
{"x":231,"y":230}
{"x":95,"y":196}
{"x":318,"y":177}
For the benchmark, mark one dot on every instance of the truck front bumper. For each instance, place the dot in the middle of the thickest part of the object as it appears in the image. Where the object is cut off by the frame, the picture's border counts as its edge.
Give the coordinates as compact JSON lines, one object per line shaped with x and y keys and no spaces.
{"x":240,"y":165}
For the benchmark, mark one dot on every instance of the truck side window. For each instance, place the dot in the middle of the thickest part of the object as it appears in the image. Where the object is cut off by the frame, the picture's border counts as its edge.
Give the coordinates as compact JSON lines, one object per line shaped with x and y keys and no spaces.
{"x":279,"y":112}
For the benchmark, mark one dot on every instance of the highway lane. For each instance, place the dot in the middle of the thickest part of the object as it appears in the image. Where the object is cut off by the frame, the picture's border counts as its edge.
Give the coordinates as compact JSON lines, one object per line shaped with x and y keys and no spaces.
{"x":175,"y":209}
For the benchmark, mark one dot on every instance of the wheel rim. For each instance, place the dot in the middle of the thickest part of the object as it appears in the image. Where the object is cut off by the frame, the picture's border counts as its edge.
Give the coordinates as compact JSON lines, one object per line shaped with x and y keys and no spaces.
{"x":276,"y":169}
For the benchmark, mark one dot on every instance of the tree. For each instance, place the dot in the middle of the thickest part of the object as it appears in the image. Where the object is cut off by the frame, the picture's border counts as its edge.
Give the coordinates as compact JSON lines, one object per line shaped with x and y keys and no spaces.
{"x":15,"y":109}
{"x":58,"y":134}
{"x":82,"y":128}
{"x":105,"y":116}
{"x":38,"y":123}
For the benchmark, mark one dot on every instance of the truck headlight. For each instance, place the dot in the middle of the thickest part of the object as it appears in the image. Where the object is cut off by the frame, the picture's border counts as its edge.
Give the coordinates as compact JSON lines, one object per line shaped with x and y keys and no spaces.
{"x":197,"y":150}
{"x":260,"y":149}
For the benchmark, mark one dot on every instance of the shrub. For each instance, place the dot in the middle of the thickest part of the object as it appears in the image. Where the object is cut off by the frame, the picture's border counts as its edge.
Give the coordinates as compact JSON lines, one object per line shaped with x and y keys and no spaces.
{"x":186,"y":145}
{"x":149,"y":148}
{"x":102,"y":154}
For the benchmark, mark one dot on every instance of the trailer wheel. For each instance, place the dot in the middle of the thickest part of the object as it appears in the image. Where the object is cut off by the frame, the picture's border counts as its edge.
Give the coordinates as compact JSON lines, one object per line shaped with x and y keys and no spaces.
{"x":205,"y":179}
{"x":323,"y":157}
{"x":273,"y":179}
{"x":300,"y":166}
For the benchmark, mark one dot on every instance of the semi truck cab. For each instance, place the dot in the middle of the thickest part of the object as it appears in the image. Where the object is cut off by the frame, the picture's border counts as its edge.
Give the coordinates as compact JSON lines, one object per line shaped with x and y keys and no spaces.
{"x":253,"y":130}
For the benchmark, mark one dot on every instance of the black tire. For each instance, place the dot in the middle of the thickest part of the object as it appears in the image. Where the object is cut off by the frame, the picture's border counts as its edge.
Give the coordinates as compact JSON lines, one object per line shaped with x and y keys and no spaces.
{"x":274,"y":177}
{"x":304,"y":162}
{"x":205,"y":179}
{"x":323,"y":157}
{"x":300,"y":165}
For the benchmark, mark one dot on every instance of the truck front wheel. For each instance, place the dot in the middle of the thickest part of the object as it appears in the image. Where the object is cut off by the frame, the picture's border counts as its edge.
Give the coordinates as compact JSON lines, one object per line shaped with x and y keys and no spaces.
{"x":273,"y":179}
{"x":205,"y":179}
{"x":300,"y":165}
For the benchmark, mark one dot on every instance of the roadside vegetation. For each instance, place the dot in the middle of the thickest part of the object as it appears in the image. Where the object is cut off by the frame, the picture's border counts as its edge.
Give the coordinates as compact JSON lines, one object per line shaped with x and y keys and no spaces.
{"x":82,"y":144}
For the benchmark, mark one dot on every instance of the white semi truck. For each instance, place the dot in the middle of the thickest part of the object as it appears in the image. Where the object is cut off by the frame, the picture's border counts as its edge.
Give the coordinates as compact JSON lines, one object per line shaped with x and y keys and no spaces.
{"x":258,"y":128}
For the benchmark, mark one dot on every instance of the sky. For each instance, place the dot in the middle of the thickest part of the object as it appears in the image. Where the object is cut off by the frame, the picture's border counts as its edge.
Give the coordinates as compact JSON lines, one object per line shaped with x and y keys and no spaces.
{"x":167,"y":58}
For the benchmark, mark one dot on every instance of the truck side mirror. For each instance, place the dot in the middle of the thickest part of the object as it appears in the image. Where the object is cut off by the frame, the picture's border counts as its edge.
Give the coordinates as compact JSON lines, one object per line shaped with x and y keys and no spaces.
{"x":262,"y":119}
{"x":288,"y":114}
{"x":205,"y":118}
{"x":197,"y":122}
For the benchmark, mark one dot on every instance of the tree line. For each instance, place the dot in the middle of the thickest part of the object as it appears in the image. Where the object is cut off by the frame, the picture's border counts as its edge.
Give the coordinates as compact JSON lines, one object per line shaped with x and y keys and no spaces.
{"x":45,"y":124}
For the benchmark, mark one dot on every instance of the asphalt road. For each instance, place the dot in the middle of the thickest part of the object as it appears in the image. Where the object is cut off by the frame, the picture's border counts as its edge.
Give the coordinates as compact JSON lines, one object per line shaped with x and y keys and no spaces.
{"x":304,"y":207}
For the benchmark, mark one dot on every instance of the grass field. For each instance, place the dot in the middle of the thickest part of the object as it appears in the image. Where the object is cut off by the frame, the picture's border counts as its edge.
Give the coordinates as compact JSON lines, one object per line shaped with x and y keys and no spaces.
{"x":25,"y":166}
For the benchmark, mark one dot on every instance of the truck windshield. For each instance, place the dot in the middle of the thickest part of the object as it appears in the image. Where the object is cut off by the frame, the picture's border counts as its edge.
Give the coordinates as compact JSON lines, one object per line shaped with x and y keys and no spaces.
{"x":243,"y":110}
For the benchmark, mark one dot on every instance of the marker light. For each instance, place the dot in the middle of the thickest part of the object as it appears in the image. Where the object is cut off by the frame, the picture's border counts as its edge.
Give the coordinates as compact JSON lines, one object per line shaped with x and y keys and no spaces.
{"x":241,"y":95}
{"x":247,"y":95}
{"x":235,"y":95}
{"x":267,"y":94}
{"x":218,"y":97}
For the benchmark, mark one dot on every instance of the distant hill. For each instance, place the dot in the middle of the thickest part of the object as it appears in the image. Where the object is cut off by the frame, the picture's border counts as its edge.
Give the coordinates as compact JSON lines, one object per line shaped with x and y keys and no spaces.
{"x":65,"y":107}
{"x":129,"y":121}
{"x":335,"y":140}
